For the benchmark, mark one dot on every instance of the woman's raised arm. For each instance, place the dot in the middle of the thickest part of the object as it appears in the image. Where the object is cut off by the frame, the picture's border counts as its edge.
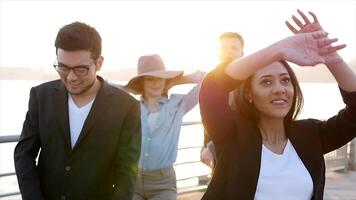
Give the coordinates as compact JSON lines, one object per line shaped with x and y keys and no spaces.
{"x":342,"y":73}
{"x":307,"y":49}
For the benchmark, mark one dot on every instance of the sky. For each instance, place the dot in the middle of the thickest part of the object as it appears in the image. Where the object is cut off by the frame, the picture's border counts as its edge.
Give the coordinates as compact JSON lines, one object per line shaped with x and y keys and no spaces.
{"x":184,"y":33}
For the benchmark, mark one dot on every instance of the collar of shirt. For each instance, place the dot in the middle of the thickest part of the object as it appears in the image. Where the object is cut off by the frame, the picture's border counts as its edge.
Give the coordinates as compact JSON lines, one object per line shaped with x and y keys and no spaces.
{"x":160,"y":102}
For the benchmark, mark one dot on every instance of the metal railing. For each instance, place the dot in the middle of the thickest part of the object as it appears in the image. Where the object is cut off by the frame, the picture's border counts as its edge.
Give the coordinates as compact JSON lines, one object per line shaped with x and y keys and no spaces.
{"x":14,"y":138}
{"x":9,"y":139}
{"x":336,"y":160}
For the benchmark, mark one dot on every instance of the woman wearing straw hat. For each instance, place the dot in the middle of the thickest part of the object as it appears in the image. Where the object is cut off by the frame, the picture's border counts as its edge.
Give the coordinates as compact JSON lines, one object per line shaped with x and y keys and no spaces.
{"x":161,"y":120}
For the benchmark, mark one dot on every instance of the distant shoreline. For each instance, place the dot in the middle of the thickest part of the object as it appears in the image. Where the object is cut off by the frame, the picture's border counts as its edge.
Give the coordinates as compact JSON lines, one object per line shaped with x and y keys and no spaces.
{"x":22,"y":73}
{"x":317,"y":74}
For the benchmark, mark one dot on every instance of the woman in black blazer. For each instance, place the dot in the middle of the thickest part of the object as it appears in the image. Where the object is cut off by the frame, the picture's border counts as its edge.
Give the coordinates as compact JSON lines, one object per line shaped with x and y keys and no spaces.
{"x":263,"y":151}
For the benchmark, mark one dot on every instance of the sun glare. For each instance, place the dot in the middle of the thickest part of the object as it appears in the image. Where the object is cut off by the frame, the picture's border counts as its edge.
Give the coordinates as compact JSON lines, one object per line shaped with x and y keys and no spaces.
{"x":184,"y":33}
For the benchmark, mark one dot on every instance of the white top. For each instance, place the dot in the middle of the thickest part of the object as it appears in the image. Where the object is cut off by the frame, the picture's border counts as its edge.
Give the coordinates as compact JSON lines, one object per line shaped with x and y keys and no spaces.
{"x":151,"y":120}
{"x":77,"y":117}
{"x":283,"y":176}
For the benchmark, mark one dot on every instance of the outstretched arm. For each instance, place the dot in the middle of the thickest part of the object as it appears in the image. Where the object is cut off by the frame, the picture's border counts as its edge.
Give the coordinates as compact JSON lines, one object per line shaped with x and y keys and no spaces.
{"x":192,"y":97}
{"x":196,"y":77}
{"x":343,"y":74}
{"x":305,"y":49}
{"x":344,"y":123}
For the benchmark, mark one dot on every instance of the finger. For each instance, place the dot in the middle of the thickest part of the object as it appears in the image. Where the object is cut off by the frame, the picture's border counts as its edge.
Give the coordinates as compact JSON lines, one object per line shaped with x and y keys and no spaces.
{"x":297,"y":21}
{"x":319,"y":34}
{"x":295,"y":31}
{"x":305,"y":18}
{"x":326,"y":41}
{"x":338,"y":47}
{"x":314,"y":17}
{"x":331,"y":49}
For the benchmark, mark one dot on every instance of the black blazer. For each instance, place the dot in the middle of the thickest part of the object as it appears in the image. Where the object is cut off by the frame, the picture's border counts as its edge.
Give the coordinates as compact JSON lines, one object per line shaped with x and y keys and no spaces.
{"x":103,"y":162}
{"x":238,"y":141}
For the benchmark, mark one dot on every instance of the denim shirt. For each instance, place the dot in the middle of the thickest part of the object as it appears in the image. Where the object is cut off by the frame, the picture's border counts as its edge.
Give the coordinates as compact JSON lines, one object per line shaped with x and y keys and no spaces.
{"x":159,"y":147}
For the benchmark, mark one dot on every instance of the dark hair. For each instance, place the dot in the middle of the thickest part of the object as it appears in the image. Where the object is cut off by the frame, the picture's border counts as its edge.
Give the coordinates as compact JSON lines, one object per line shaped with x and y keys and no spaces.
{"x":232,"y":35}
{"x":79,"y":36}
{"x":249,"y":111}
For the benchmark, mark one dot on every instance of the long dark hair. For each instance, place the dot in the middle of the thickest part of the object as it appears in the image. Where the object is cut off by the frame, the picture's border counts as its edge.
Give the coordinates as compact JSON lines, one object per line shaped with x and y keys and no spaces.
{"x":249,"y":111}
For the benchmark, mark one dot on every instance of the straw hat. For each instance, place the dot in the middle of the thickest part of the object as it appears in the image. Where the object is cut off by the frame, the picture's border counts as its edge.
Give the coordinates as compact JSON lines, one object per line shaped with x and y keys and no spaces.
{"x":150,"y":65}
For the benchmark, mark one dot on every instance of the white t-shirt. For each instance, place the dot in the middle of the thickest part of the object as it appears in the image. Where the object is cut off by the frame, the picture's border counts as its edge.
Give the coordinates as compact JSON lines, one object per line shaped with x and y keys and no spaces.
{"x":283,"y":176}
{"x":77,"y":117}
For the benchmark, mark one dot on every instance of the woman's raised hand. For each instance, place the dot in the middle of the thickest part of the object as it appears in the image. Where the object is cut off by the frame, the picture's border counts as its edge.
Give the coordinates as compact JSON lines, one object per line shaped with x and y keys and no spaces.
{"x":308,"y":49}
{"x":307,"y":27}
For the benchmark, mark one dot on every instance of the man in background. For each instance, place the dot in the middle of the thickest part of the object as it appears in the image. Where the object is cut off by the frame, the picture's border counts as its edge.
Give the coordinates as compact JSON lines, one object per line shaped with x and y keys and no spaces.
{"x":231,"y":47}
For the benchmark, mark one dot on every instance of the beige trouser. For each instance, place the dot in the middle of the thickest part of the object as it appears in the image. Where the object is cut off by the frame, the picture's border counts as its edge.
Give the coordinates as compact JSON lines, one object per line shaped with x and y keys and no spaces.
{"x":156,"y":185}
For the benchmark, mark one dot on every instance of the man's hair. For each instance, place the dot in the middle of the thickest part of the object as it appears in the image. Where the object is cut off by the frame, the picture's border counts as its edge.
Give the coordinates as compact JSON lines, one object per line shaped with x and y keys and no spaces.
{"x":232,"y":35}
{"x":79,"y":36}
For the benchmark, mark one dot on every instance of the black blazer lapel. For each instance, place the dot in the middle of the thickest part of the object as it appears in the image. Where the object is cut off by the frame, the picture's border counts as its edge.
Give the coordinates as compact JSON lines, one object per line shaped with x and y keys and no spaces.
{"x":251,"y":149}
{"x":307,"y":148}
{"x":61,"y":104}
{"x":101,"y":103}
{"x":245,"y":161}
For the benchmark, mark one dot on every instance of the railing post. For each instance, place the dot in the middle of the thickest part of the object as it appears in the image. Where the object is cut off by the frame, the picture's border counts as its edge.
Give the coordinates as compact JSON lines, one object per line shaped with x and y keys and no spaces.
{"x":352,"y":156}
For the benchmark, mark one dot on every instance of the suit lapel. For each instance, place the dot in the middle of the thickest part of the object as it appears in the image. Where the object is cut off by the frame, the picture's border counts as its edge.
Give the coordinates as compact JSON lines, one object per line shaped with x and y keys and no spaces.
{"x":101,"y":103}
{"x":305,"y":145}
{"x":253,"y":157}
{"x":247,"y":160}
{"x":61,"y":108}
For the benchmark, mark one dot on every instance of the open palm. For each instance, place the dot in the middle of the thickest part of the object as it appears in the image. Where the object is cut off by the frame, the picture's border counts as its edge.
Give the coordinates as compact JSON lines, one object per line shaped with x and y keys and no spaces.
{"x":306,"y":49}
{"x":308,"y":27}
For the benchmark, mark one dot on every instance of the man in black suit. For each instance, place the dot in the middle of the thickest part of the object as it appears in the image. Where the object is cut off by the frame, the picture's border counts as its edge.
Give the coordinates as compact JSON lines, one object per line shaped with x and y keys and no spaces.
{"x":88,"y":133}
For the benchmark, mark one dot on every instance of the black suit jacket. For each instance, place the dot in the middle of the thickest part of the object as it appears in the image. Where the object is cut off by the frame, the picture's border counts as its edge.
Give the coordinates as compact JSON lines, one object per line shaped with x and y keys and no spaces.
{"x":238,"y":141}
{"x":103,"y":162}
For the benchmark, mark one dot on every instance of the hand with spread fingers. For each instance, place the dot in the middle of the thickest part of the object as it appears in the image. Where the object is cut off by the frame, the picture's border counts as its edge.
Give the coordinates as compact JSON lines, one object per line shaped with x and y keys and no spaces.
{"x":307,"y":26}
{"x":308,"y":49}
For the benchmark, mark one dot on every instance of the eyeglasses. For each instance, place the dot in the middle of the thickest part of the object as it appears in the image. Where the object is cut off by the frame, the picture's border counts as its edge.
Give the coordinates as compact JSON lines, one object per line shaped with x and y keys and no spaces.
{"x":63,"y":70}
